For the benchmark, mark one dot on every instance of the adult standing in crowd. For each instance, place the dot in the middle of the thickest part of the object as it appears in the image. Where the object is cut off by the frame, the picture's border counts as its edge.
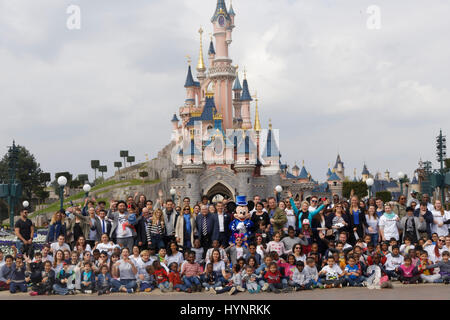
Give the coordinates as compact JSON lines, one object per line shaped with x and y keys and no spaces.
{"x":122,"y":229}
{"x":170,"y":216}
{"x":57,"y":226}
{"x":224,"y":220}
{"x":207,"y":227}
{"x":411,"y":226}
{"x":277,"y":215}
{"x":185,"y":228}
{"x":24,"y":230}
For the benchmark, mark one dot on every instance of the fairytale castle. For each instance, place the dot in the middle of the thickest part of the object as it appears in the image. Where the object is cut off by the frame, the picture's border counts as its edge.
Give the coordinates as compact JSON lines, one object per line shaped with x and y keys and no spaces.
{"x":217,"y":148}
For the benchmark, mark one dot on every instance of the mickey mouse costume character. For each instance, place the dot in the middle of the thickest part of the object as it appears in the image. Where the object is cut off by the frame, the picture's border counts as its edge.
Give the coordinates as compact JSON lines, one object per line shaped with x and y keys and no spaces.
{"x":241,"y":225}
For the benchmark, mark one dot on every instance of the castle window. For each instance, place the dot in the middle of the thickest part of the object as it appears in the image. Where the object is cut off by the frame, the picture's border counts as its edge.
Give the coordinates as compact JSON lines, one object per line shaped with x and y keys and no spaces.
{"x":189,"y":185}
{"x":334,"y":183}
{"x":248,"y":180}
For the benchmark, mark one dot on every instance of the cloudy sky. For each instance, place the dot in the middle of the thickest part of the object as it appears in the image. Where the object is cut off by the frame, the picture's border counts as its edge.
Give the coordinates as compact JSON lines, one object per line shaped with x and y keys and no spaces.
{"x":327,"y":81}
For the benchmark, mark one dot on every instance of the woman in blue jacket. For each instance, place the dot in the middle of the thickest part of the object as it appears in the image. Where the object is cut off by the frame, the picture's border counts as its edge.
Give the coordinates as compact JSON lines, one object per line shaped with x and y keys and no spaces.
{"x":57,"y":227}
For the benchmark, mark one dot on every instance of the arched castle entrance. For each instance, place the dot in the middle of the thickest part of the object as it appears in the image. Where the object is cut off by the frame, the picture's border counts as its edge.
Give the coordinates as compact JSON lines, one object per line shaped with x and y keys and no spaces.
{"x":218,"y":192}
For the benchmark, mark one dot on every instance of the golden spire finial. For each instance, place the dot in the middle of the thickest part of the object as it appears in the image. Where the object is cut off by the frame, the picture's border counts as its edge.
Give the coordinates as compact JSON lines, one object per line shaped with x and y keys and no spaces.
{"x":245,"y":73}
{"x":257,"y":122}
{"x":189,"y":59}
{"x":303,"y":163}
{"x":201,"y":63}
{"x":329,"y":165}
{"x":354,"y":172}
{"x":270,"y":124}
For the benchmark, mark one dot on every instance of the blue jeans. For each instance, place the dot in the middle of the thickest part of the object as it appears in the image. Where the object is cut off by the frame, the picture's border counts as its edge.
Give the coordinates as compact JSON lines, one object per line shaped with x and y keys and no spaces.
{"x":60,"y":289}
{"x":127,"y":283}
{"x":189,"y":281}
{"x":13,"y":286}
{"x":146,"y":285}
{"x":353,"y":282}
{"x":374,"y":239}
{"x":182,"y":287}
{"x":187,"y":244}
{"x":164,"y":285}
{"x":157,"y":241}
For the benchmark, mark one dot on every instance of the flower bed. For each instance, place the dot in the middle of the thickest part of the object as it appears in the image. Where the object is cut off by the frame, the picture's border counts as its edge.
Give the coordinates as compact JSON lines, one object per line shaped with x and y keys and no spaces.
{"x":6,"y":243}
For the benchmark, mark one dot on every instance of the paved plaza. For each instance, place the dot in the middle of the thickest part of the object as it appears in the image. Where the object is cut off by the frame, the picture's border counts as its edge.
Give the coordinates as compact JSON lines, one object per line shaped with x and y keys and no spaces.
{"x":399,"y":292}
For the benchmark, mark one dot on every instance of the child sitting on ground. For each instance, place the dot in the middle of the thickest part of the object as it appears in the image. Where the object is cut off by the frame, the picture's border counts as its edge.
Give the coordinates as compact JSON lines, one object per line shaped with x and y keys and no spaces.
{"x":175,"y":279}
{"x":147,"y":279}
{"x":47,"y":279}
{"x":18,"y":277}
{"x":311,"y":273}
{"x":444,"y":268}
{"x":332,"y":274}
{"x":273,"y":277}
{"x":87,"y":279}
{"x":298,"y":279}
{"x":190,"y":273}
{"x":103,"y":281}
{"x":62,"y":280}
{"x":408,"y":273}
{"x":209,"y":278}
{"x":161,"y":277}
{"x":352,"y":274}
{"x":250,"y":280}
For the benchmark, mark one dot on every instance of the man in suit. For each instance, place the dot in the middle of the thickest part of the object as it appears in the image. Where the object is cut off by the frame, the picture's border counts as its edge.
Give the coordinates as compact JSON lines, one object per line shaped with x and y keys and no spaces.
{"x":224,"y":219}
{"x":143,"y":233}
{"x":207,"y":227}
{"x":102,"y":225}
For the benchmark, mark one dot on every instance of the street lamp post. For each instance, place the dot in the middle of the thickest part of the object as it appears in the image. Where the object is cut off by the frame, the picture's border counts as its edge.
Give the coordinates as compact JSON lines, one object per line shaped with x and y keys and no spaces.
{"x":62,"y":181}
{"x":278,"y":190}
{"x":401,"y":177}
{"x":369,"y":183}
{"x":86,"y":189}
{"x":173,"y":192}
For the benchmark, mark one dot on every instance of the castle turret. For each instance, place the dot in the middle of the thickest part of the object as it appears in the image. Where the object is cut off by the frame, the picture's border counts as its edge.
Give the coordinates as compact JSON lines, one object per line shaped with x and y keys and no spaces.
{"x":237,"y":104}
{"x":222,"y":72}
{"x":339,"y":168}
{"x":335,"y":183}
{"x":365,"y":173}
{"x":175,"y":121}
{"x":245,"y":100}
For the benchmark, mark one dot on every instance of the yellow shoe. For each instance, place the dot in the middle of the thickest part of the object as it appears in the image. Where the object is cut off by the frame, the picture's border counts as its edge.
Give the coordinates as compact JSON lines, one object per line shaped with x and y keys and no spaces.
{"x":148,"y":290}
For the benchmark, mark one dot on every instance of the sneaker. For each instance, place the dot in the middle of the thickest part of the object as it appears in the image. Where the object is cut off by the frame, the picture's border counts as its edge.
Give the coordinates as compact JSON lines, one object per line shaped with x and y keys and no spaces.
{"x":33,"y":293}
{"x":265,"y":287}
{"x":277,"y":290}
{"x":285,"y":290}
{"x":206,"y":289}
{"x":147,"y":289}
{"x":130,"y":290}
{"x":328,"y":286}
{"x":257,"y":290}
{"x":212,"y":290}
{"x":99,"y":293}
{"x":251,"y":291}
{"x":85,"y":291}
{"x":239,"y":288}
{"x":170,"y":286}
{"x":177,"y":289}
{"x":219,"y":288}
{"x":189,"y":290}
{"x":233,"y":289}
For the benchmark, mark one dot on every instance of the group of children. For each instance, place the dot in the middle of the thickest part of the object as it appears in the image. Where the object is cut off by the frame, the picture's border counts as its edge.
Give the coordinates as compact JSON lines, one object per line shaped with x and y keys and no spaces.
{"x":274,"y":270}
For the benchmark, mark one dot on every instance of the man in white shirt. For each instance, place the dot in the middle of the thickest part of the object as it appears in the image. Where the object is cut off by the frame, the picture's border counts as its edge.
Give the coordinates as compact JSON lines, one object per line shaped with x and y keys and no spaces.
{"x":121,"y":228}
{"x":426,"y":198}
{"x":59,"y":245}
{"x":224,"y":225}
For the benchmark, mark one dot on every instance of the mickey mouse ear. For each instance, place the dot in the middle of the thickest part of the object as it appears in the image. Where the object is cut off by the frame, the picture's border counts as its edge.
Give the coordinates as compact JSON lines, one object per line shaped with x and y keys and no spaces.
{"x":250,"y":205}
{"x":231,"y":207}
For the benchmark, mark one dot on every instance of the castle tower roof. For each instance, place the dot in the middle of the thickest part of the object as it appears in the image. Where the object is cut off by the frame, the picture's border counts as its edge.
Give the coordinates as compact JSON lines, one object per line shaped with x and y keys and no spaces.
{"x":338,"y":161}
{"x":257,"y":126}
{"x":334,"y":177}
{"x":231,"y":11}
{"x":365,"y":171}
{"x":271,"y":148}
{"x":245,"y":92}
{"x":237,"y":83}
{"x":175,"y":118}
{"x":221,"y":8}
{"x":189,"y":79}
{"x":303,"y":174}
{"x":211,"y":48}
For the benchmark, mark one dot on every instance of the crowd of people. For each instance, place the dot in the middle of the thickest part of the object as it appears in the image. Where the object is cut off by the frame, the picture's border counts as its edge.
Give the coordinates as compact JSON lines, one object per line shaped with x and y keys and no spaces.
{"x":291,"y":244}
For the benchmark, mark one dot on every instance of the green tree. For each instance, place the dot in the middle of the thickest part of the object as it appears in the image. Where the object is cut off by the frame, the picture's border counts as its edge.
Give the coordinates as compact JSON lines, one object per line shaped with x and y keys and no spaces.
{"x":28,"y":173}
{"x":359,"y":188}
{"x":386,"y":196}
{"x":143,"y":175}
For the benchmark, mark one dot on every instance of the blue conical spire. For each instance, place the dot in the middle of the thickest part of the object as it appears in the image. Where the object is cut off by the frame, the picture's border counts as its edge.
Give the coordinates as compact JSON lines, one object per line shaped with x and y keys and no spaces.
{"x":303,"y":173}
{"x":237,"y":83}
{"x":211,"y":48}
{"x":189,"y":79}
{"x":245,"y":92}
{"x":231,"y":11}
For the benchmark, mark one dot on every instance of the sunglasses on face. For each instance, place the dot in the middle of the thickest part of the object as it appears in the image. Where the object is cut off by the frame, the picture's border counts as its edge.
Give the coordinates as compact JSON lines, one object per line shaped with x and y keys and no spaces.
{"x":441,"y":240}
{"x":313,"y":200}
